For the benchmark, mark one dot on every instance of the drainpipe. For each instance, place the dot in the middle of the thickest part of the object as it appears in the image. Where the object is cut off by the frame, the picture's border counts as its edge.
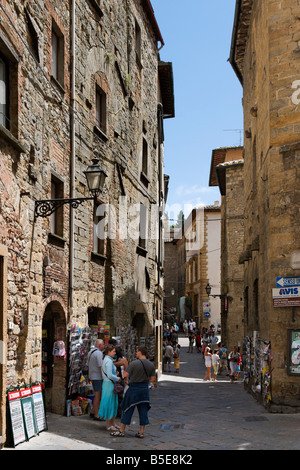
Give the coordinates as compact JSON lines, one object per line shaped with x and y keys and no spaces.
{"x":160,"y":200}
{"x":72,"y":158}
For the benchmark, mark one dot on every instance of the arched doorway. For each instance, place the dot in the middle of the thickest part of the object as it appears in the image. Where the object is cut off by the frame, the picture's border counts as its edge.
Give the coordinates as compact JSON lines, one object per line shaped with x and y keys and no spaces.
{"x":54,"y":369}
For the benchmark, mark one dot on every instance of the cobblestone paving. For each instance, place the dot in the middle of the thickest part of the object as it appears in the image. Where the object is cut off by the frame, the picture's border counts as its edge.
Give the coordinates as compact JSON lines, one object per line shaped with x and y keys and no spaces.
{"x":186,"y":414}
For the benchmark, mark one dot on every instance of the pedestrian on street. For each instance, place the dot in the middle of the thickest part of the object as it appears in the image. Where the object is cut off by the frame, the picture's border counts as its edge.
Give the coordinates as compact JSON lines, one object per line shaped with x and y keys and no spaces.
{"x":233,"y":362}
{"x":185,"y":327}
{"x":191,"y":341}
{"x":140,"y":373}
{"x":208,"y":363}
{"x":215,"y":359}
{"x":223,"y":354}
{"x":213,"y":341}
{"x":198,"y":341}
{"x":109,"y":400}
{"x":205,"y":342}
{"x":176,"y":358}
{"x":168,"y":355}
{"x":94,"y":362}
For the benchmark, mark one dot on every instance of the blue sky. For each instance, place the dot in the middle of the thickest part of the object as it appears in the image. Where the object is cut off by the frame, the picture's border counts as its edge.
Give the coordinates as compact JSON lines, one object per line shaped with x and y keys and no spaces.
{"x":208,"y":95}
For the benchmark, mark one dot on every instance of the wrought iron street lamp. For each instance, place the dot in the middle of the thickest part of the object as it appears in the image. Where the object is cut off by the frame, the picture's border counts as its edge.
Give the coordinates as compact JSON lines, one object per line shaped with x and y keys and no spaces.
{"x":95,"y":177}
{"x":208,"y":291}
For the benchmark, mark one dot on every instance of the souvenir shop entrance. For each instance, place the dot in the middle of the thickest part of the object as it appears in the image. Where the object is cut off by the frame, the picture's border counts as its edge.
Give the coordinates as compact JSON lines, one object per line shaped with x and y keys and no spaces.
{"x":54,"y":367}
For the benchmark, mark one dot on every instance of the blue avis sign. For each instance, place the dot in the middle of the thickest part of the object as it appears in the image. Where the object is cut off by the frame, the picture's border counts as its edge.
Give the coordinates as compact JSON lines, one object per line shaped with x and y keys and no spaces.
{"x":287,"y":281}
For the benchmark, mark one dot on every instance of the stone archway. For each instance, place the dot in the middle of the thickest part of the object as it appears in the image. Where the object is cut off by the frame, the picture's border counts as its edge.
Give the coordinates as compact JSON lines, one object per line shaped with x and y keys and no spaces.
{"x":54,"y":370}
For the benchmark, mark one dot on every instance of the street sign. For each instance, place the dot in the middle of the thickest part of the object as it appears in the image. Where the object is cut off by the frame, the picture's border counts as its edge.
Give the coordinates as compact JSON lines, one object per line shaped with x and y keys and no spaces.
{"x":286,"y":297}
{"x":287,"y":281}
{"x":286,"y":292}
{"x":207,"y":314}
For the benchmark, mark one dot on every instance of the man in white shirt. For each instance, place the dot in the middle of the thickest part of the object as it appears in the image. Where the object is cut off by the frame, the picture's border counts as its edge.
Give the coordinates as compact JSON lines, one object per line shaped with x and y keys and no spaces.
{"x":94,"y":360}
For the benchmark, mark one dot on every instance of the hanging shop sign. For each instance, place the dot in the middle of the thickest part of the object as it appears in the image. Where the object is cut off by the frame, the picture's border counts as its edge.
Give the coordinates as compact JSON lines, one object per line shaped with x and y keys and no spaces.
{"x":294,"y":352}
{"x":39,"y":408}
{"x":16,"y":417}
{"x":28,"y":412}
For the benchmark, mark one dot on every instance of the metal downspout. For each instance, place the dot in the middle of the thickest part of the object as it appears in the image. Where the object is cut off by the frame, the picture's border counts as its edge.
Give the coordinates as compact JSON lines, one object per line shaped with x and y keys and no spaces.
{"x":72,"y":158}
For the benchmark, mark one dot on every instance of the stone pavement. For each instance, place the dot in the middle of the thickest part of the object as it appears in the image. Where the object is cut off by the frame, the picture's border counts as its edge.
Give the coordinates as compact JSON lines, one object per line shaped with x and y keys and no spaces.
{"x":187,"y":414}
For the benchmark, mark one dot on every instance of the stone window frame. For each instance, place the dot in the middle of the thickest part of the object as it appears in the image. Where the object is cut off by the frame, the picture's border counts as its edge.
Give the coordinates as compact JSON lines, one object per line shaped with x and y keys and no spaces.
{"x":56,"y":233}
{"x":100,"y":84}
{"x":58,"y":76}
{"x":99,"y":246}
{"x":10,"y":131}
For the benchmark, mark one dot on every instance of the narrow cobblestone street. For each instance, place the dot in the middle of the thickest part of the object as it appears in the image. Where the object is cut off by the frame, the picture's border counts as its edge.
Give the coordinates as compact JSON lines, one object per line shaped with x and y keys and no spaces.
{"x":186,"y":414}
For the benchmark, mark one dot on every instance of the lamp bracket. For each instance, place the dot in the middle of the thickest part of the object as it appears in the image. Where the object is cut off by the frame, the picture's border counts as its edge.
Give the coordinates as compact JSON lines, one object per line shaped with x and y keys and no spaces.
{"x":46,"y":207}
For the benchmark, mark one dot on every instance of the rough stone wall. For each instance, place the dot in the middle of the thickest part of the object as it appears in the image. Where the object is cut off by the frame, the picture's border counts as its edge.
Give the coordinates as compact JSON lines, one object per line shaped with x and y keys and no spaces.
{"x":232,"y":241}
{"x":271,"y":110}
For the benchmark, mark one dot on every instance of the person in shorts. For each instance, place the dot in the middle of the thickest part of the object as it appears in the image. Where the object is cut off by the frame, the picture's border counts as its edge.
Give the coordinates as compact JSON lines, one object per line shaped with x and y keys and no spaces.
{"x":95,"y":360}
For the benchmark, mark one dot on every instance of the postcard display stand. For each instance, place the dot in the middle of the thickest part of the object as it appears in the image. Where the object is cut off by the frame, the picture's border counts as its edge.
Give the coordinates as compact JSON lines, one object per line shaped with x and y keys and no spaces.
{"x":81,"y":341}
{"x":26,"y":414}
{"x":129,"y":341}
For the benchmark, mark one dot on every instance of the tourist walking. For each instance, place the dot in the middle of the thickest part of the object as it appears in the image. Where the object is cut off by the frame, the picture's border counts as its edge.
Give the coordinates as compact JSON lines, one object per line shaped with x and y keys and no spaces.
{"x":109,"y":400}
{"x":140,"y":373}
{"x":185,"y":327}
{"x":168,"y":355}
{"x":233,"y":358}
{"x":223,"y":354}
{"x":215,"y":359}
{"x":94,"y":363}
{"x":176,"y":357}
{"x":208,"y":363}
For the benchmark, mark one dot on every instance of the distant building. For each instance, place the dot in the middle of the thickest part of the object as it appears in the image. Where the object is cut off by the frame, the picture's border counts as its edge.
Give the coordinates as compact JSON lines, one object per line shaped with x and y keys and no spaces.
{"x":227,"y":166}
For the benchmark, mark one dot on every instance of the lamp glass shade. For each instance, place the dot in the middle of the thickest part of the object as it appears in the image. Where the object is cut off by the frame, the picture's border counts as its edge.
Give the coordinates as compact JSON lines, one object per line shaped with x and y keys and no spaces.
{"x":95,"y":177}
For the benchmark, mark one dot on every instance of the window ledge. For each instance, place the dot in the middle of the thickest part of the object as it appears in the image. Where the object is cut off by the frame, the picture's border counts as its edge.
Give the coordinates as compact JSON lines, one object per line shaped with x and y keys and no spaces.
{"x":7,"y":135}
{"x":141,"y":251}
{"x":100,"y":133}
{"x":56,"y":240}
{"x":58,"y":85}
{"x":144,"y":179}
{"x":98,"y":258}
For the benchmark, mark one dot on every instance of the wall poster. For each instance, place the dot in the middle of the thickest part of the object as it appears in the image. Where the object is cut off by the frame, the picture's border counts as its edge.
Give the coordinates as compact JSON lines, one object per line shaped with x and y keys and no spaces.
{"x":294,"y":352}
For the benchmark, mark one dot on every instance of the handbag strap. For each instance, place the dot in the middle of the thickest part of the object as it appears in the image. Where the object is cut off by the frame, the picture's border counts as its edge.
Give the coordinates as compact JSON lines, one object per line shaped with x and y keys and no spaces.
{"x":108,"y":377}
{"x":144,"y":368}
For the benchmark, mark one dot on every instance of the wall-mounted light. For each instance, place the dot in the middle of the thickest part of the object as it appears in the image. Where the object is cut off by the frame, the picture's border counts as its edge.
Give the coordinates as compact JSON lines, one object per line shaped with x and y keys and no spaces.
{"x":95,"y":177}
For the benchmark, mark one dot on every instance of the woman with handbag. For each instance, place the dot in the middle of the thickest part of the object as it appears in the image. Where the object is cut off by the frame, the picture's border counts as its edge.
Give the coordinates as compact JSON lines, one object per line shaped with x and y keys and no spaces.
{"x":140,"y":373}
{"x":109,"y":400}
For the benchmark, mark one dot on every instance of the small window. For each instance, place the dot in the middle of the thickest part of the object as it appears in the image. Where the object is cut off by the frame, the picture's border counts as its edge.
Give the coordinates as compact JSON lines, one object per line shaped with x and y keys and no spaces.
{"x":57,"y":55}
{"x":101,"y":110}
{"x":99,"y":233}
{"x":4,"y":93}
{"x":143,"y":226}
{"x":57,"y":218}
{"x":144,"y":172}
{"x":138,"y":42}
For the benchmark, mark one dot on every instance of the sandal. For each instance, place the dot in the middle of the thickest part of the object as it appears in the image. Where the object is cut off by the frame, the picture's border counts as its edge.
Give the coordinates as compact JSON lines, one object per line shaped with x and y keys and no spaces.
{"x":140,"y":435}
{"x":112,"y":428}
{"x":117,"y":434}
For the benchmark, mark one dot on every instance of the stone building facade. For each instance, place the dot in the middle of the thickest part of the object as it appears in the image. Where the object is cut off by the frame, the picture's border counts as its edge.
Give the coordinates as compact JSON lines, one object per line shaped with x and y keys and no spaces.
{"x":265,"y":57}
{"x":79,"y":80}
{"x":202,"y":234}
{"x":227,"y":172}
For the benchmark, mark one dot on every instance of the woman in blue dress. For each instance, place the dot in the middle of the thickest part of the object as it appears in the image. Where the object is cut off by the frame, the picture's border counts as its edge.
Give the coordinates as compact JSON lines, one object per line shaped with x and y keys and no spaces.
{"x":109,"y":400}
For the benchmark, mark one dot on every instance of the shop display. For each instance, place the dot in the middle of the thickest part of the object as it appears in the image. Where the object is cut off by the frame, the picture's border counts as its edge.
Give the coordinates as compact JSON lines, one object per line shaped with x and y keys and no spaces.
{"x":26,"y":413}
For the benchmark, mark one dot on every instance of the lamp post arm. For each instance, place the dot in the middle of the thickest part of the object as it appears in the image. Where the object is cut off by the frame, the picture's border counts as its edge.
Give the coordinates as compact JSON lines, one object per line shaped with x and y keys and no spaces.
{"x":46,"y":207}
